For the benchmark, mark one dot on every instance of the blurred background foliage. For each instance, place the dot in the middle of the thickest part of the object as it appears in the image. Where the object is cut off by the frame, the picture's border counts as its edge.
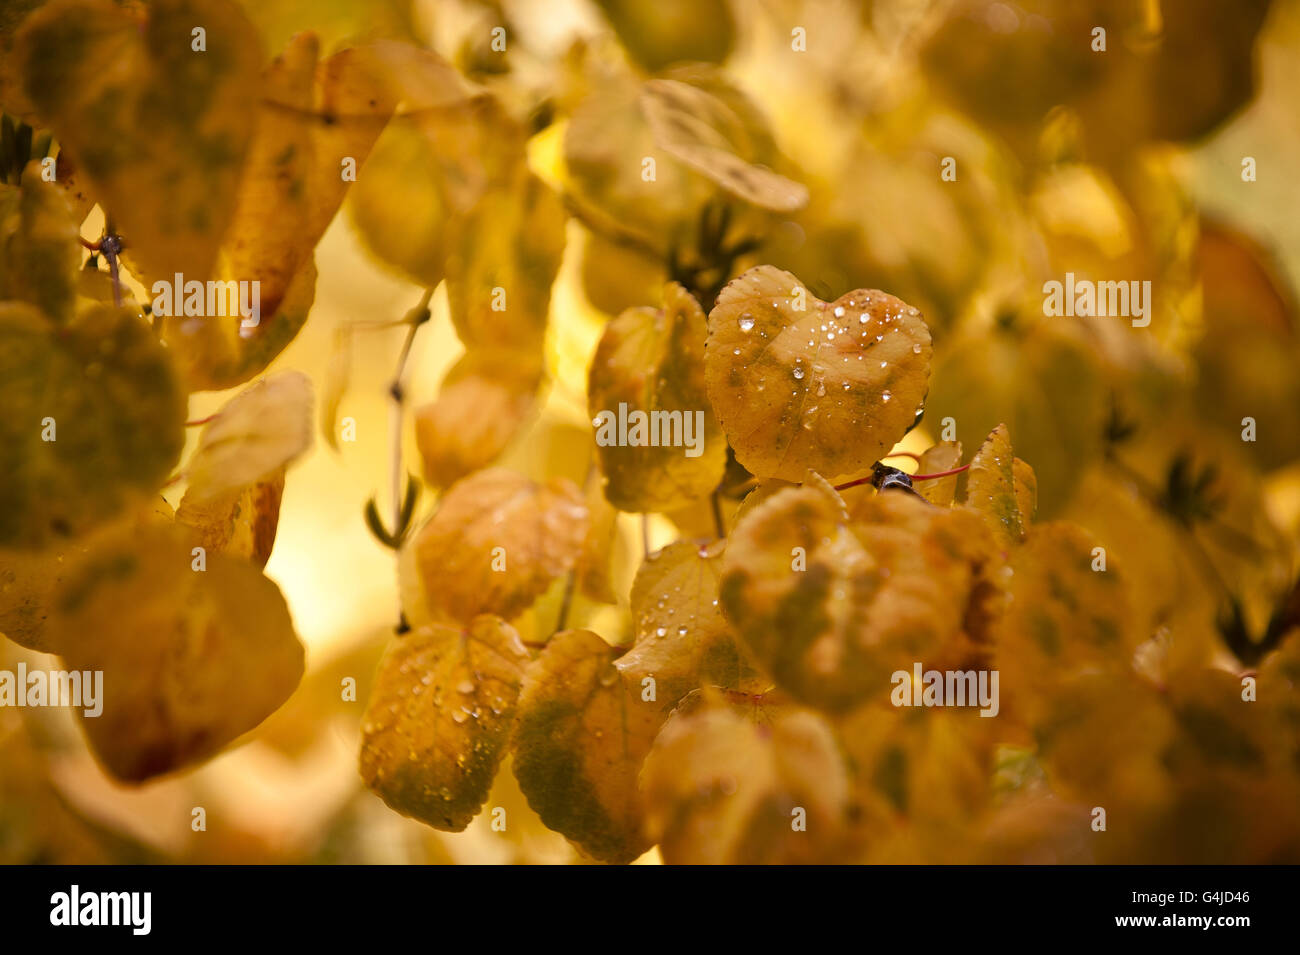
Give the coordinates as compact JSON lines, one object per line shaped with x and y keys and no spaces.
{"x":1118,"y":165}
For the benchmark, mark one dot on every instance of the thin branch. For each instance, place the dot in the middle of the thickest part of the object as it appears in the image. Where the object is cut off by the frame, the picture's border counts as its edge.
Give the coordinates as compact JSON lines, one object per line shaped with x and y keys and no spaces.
{"x":719,"y":524}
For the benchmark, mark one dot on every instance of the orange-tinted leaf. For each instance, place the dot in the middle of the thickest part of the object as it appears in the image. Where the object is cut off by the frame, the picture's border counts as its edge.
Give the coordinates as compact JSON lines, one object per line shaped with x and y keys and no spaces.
{"x":830,"y":387}
{"x":191,"y":658}
{"x":649,"y":365}
{"x":439,"y":718}
{"x":1002,"y":487}
{"x":497,"y":541}
{"x":720,"y":788}
{"x":584,"y":730}
{"x":483,"y":401}
{"x":104,"y":80}
{"x":834,"y":608}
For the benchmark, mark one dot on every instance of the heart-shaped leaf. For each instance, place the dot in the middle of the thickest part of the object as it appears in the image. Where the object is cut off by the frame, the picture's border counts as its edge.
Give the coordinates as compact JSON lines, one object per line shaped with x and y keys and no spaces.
{"x":497,"y":541}
{"x":651,"y":362}
{"x":798,"y":383}
{"x":482,"y":402}
{"x":192,"y":658}
{"x":833,"y":607}
{"x":1002,"y":487}
{"x":682,"y":639}
{"x":721,"y":788}
{"x":106,"y":81}
{"x":439,"y":718}
{"x":257,"y":433}
{"x":583,"y":733}
{"x":94,"y":416}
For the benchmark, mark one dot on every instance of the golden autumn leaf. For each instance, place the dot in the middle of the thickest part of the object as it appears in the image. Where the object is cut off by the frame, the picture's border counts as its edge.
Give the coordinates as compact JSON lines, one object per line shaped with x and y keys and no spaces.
{"x":396,"y":205}
{"x":507,"y":253}
{"x":297,"y":170}
{"x":584,"y":730}
{"x":1002,"y":488}
{"x":256,"y":434}
{"x":38,"y":246}
{"x":483,"y":401}
{"x":191,"y":658}
{"x":701,"y":129}
{"x":27,"y":585}
{"x":103,"y":79}
{"x":1063,"y":617}
{"x":221,"y":351}
{"x":833,"y":607}
{"x":673,"y":31}
{"x":241,"y":521}
{"x":944,"y":456}
{"x":606,"y":147}
{"x":651,"y":362}
{"x":497,"y":541}
{"x":94,"y":418}
{"x":1042,"y":384}
{"x":439,"y":719}
{"x":721,"y":788}
{"x":798,"y":383}
{"x":682,"y":640}
{"x":930,"y":767}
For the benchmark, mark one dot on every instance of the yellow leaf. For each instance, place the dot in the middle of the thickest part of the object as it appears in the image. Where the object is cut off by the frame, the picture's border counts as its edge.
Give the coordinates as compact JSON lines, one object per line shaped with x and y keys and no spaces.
{"x":482,"y":403}
{"x":830,"y":387}
{"x":257,"y":433}
{"x":104,"y":81}
{"x":832,"y":609}
{"x":219,"y":352}
{"x":1002,"y":488}
{"x":700,"y":129}
{"x":314,"y":118}
{"x":241,"y":521}
{"x":651,"y":362}
{"x":673,"y":30}
{"x":943,"y":456}
{"x":191,"y":659}
{"x":497,"y":541}
{"x":505,"y":256}
{"x":1062,"y":618}
{"x":723,"y":789}
{"x":396,"y":206}
{"x":94,"y":418}
{"x":39,"y":253}
{"x":682,"y":639}
{"x":583,"y":733}
{"x":439,"y":719}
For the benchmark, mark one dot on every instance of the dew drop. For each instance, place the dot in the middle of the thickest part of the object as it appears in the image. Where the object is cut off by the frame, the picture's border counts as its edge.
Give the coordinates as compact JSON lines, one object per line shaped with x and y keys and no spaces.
{"x":839,"y":311}
{"x":798,"y":371}
{"x":885,"y":396}
{"x":746,"y":323}
{"x":916,"y":349}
